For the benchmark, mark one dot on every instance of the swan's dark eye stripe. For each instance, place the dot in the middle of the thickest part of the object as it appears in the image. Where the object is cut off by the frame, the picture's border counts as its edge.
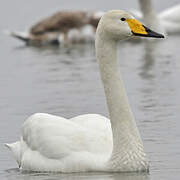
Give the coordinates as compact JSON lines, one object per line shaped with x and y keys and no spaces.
{"x":123,"y":19}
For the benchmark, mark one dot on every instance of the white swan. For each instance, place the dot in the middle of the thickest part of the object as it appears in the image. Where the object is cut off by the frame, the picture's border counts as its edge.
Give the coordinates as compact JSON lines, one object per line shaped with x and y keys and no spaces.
{"x":84,"y":143}
{"x":166,"y":21}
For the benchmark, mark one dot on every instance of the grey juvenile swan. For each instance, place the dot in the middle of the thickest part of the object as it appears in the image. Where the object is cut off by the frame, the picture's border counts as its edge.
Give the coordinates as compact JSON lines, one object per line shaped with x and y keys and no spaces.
{"x":61,"y":27}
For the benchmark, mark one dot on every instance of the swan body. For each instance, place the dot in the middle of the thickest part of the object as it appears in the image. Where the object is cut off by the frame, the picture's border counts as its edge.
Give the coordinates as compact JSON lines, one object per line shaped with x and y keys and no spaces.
{"x":167,"y":21}
{"x":90,"y":142}
{"x":55,"y":29}
{"x":171,"y":19}
{"x":171,"y":14}
{"x":78,"y":150}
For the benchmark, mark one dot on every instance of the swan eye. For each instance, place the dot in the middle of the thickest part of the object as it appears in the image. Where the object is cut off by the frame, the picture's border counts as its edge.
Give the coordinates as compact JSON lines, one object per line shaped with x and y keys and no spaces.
{"x":123,"y":19}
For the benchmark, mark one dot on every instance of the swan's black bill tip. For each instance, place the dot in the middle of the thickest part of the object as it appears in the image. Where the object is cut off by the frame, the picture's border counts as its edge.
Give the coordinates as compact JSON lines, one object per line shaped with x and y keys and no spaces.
{"x":149,"y":33}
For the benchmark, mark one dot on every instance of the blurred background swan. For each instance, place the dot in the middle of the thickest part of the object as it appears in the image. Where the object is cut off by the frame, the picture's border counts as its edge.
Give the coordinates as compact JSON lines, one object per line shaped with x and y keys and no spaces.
{"x":62,"y":27}
{"x":167,"y":21}
{"x":68,"y":27}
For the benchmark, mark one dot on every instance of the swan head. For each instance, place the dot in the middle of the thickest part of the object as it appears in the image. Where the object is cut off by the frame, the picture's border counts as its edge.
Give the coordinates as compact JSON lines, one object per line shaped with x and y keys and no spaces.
{"x":119,"y":24}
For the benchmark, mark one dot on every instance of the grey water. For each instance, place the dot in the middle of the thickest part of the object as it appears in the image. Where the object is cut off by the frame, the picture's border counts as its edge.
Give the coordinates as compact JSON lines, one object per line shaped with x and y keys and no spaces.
{"x":66,"y":82}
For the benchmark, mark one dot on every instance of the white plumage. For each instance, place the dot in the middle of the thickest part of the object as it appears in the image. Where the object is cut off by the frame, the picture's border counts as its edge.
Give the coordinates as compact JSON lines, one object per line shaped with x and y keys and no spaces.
{"x":47,"y":139}
{"x":90,"y":142}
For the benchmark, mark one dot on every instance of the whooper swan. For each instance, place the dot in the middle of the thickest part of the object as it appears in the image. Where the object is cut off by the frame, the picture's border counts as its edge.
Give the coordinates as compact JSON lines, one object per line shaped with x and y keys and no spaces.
{"x":55,"y":144}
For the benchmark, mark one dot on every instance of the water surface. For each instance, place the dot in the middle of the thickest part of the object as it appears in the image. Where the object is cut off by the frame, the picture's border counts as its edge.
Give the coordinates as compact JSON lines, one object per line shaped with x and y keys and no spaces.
{"x":66,"y":82}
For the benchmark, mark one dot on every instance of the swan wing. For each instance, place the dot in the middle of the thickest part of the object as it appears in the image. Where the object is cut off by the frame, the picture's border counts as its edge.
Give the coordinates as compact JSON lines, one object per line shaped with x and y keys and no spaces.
{"x":171,"y":27}
{"x":60,"y":21}
{"x":56,"y":137}
{"x":48,"y":141}
{"x":93,"y":121}
{"x":171,"y":14}
{"x":98,"y":124}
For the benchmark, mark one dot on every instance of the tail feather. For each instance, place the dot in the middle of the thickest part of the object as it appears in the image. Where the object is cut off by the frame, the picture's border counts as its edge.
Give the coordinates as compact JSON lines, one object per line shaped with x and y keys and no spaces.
{"x":15,"y":148}
{"x":7,"y":145}
{"x":23,"y":36}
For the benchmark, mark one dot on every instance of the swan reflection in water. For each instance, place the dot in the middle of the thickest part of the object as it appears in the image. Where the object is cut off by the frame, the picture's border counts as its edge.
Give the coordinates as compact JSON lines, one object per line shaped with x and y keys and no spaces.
{"x":16,"y":174}
{"x":152,"y":51}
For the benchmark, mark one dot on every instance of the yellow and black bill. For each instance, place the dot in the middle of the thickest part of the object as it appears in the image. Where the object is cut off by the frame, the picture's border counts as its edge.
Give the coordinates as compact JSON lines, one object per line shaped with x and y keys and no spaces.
{"x":139,"y":29}
{"x":149,"y":33}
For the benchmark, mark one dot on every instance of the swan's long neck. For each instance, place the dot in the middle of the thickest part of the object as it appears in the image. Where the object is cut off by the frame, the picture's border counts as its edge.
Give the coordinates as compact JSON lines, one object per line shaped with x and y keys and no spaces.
{"x":127,"y":144}
{"x":150,"y":17}
{"x":147,"y":8}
